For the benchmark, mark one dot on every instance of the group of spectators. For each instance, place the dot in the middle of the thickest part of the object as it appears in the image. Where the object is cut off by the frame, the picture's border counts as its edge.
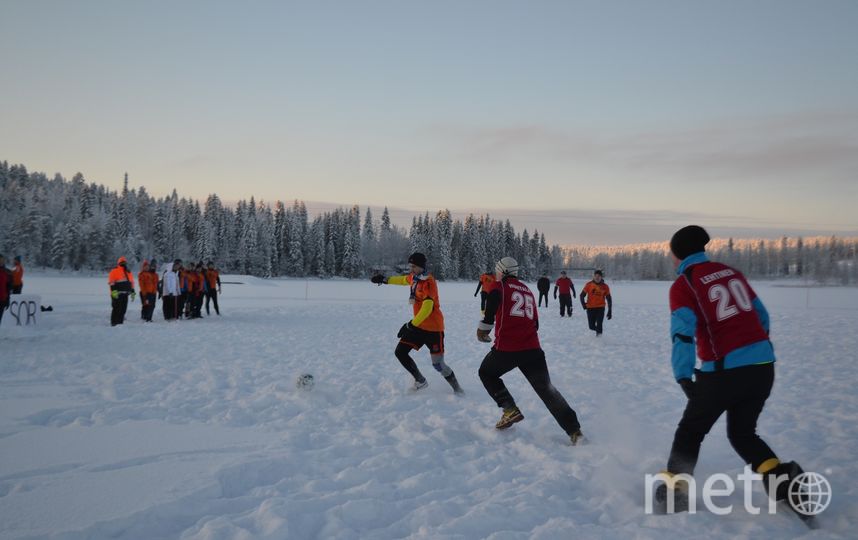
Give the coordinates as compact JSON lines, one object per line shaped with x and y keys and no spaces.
{"x":181,"y":289}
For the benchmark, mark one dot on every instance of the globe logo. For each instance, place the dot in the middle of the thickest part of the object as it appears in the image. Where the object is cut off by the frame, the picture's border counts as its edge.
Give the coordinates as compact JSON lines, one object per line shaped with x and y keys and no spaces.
{"x":809,"y":493}
{"x":305,"y":381}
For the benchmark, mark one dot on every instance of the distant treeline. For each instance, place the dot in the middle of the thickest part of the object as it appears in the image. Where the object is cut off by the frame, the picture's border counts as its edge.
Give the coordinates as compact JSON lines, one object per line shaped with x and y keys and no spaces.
{"x":75,"y":225}
{"x":829,"y":260}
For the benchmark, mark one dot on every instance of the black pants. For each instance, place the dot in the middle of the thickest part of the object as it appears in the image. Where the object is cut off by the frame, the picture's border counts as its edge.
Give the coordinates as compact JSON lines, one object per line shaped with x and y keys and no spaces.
{"x":532,"y":365}
{"x":148,"y":301}
{"x":541,"y":296}
{"x":211,"y":295}
{"x":170,"y":306}
{"x":120,"y":306}
{"x":483,"y":296}
{"x":196,"y":301}
{"x":742,"y":393}
{"x":402,"y":354}
{"x":181,"y":301}
{"x":17,"y":289}
{"x":3,"y":305}
{"x":595,"y":317}
{"x":565,"y":304}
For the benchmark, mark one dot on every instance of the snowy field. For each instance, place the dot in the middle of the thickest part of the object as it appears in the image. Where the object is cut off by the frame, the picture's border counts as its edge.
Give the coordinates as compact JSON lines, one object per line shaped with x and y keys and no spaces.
{"x":196,"y":430}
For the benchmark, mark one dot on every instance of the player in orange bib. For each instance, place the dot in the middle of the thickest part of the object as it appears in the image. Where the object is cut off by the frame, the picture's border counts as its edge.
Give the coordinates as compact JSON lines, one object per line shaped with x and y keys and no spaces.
{"x":594,"y":296}
{"x":485,"y":281}
{"x":427,"y":325}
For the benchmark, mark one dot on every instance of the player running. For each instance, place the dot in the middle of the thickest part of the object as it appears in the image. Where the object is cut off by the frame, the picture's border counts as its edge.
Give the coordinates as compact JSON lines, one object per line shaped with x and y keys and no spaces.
{"x":714,"y":305}
{"x":512,"y":311}
{"x":427,"y":325}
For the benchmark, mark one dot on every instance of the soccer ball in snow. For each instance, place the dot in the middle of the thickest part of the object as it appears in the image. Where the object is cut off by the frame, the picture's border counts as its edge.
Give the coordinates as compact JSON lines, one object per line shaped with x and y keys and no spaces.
{"x":305,"y":381}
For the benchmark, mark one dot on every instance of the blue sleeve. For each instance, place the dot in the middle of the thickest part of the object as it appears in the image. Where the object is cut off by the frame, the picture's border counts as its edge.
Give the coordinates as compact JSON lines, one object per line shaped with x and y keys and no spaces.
{"x":763,"y":313}
{"x":683,"y":323}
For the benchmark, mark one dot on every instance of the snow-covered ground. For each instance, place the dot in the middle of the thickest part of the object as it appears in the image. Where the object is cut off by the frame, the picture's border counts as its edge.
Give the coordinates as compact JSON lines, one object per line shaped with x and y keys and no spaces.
{"x":196,"y":430}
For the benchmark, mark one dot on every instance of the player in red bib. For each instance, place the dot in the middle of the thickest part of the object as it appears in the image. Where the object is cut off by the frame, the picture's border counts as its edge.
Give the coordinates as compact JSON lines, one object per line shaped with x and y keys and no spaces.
{"x":715,"y":305}
{"x":566,"y":289}
{"x":511,"y":311}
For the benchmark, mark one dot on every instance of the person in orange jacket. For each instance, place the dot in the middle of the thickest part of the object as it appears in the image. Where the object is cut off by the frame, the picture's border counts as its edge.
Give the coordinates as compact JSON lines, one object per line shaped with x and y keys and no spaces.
{"x":148,"y":280}
{"x":17,"y":276}
{"x":182,"y":300}
{"x":427,"y":325}
{"x":594,"y":296}
{"x":196,"y":287}
{"x":485,"y":282}
{"x":213,"y":289}
{"x":121,"y":284}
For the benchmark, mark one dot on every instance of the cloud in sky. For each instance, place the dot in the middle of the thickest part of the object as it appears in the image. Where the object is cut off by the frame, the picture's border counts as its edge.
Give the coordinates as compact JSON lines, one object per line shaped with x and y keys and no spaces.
{"x":819,"y":146}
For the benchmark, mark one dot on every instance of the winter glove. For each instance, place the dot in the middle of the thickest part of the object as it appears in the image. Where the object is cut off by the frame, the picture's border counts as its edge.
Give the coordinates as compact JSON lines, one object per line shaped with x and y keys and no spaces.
{"x":114,"y":294}
{"x":687,"y":387}
{"x":378,"y":279}
{"x":483,"y":330}
{"x":609,"y":314}
{"x":133,"y":295}
{"x":407,"y":331}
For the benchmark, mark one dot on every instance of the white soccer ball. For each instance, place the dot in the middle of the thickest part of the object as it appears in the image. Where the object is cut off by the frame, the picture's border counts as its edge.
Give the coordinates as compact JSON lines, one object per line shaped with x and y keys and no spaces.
{"x":305,"y":381}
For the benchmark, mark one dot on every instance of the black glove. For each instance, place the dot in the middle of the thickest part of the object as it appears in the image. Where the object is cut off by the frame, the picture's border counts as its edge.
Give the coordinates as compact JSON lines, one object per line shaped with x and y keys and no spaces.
{"x":378,"y":279}
{"x":687,"y":387}
{"x":609,"y":314}
{"x":406,"y":331}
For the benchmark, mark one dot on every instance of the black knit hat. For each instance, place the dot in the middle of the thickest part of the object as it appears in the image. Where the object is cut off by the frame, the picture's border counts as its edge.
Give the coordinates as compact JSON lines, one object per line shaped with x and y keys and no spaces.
{"x":689,"y":240}
{"x":418,"y":259}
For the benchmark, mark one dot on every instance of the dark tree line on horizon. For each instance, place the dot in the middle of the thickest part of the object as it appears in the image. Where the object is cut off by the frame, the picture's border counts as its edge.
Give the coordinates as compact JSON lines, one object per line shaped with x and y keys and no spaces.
{"x":76,"y":225}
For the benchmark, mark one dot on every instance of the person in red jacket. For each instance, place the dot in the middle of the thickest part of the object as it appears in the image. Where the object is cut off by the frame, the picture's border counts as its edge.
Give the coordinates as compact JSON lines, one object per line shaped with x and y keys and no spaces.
{"x":567,"y":292}
{"x":511,"y":310}
{"x":121,"y":284}
{"x":17,"y":276}
{"x":5,"y":286}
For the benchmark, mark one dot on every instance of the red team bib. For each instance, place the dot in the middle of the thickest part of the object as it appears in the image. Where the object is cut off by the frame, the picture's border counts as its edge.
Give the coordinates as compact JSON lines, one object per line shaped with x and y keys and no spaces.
{"x":517,"y":318}
{"x":723,"y":302}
